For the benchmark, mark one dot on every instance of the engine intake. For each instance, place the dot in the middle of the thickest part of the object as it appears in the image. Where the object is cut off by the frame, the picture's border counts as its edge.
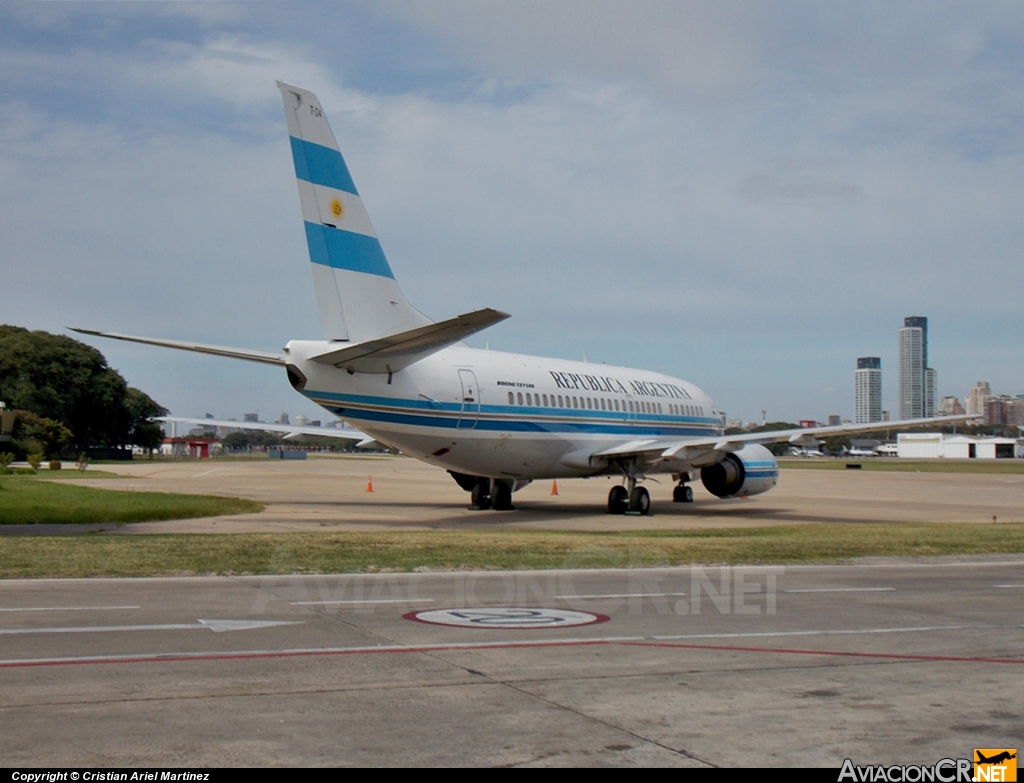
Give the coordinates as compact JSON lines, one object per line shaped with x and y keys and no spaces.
{"x":749,"y":471}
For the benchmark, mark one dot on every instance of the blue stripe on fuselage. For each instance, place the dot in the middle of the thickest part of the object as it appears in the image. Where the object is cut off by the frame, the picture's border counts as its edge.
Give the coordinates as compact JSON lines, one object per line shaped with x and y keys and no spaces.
{"x":346,"y":250}
{"x":321,"y":165}
{"x":500,"y":418}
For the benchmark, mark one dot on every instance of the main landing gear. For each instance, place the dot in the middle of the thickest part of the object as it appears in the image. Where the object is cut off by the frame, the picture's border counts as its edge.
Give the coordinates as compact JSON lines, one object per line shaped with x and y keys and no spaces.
{"x":486,"y":492}
{"x":632,"y":500}
{"x":682,"y":493}
{"x":491,"y":493}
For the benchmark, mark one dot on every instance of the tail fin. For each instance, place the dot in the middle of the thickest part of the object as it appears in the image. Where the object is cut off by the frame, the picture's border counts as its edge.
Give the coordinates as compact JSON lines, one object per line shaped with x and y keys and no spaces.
{"x":356,"y":291}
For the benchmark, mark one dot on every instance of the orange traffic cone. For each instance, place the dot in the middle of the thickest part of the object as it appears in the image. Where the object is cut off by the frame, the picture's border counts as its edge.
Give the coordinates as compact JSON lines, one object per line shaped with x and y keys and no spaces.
{"x":369,"y":483}
{"x":554,"y":487}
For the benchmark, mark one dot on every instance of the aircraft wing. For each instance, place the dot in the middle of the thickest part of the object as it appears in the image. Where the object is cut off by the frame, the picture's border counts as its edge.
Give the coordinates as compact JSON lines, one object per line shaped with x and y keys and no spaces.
{"x":707,"y":451}
{"x":217,"y":350}
{"x":290,"y":431}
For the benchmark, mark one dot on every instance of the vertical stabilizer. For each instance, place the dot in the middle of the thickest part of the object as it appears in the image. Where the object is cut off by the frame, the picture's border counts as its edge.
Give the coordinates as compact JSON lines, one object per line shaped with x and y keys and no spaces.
{"x":356,"y":291}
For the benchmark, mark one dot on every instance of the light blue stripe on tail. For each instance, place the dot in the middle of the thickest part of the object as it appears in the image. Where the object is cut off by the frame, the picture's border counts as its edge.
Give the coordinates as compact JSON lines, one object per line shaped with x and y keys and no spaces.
{"x":346,"y":250}
{"x":321,"y":166}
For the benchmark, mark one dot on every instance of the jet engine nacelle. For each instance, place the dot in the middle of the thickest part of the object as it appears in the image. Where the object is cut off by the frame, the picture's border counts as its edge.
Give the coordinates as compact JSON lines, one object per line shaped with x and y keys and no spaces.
{"x":749,"y":471}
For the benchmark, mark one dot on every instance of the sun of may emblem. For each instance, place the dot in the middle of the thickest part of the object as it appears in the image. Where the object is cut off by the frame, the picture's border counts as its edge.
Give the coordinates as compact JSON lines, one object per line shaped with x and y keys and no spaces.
{"x":336,"y":208}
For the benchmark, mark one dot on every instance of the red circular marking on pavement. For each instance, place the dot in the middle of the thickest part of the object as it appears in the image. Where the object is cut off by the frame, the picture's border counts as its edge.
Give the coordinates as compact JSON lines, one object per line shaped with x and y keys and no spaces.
{"x":512,"y":618}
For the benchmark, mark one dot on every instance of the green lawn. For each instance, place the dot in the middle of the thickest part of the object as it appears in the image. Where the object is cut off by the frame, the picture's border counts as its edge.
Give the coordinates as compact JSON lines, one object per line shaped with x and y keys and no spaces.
{"x":907,"y":466}
{"x":30,"y":501}
{"x":281,"y":553}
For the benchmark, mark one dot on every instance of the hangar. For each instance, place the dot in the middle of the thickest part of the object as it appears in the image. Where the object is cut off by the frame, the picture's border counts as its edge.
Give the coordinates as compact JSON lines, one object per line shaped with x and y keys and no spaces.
{"x":935,"y":445}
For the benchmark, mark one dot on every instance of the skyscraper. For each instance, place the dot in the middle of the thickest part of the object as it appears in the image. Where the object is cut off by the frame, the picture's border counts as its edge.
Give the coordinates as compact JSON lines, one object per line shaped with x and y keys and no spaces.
{"x":977,"y":398}
{"x":917,"y":380}
{"x":867,"y":390}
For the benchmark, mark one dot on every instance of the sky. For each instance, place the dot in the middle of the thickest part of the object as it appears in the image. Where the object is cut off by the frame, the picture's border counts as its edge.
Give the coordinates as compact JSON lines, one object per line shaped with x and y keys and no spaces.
{"x":745,"y":195}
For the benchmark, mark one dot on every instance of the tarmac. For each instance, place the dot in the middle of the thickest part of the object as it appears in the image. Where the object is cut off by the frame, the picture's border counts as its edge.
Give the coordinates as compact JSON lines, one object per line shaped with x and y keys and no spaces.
{"x":897,"y":663}
{"x":893,"y":661}
{"x":329,"y":493}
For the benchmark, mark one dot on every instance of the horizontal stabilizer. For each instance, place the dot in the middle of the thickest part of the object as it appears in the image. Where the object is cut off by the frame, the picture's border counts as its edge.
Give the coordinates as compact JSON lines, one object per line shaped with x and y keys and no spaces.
{"x":396,"y":351}
{"x":217,"y":350}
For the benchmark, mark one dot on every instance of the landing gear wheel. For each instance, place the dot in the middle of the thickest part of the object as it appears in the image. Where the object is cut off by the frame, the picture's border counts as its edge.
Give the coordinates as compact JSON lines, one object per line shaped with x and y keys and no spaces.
{"x":481,"y":497}
{"x":682,"y":494}
{"x":640,"y":501}
{"x":501,"y":497}
{"x":618,"y":500}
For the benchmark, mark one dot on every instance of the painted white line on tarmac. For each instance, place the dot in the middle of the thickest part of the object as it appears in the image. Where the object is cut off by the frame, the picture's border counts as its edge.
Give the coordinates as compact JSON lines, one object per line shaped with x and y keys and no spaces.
{"x":217,"y":626}
{"x":206,"y":472}
{"x":261,"y":581}
{"x":618,"y":595}
{"x":842,"y":590}
{"x":502,"y":644}
{"x":1003,"y":587}
{"x":63,"y":608}
{"x":366,"y":601}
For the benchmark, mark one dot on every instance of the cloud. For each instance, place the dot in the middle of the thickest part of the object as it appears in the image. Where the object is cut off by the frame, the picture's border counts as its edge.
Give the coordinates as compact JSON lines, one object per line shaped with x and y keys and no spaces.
{"x":747,"y":200}
{"x":700,"y":48}
{"x":797,"y":181}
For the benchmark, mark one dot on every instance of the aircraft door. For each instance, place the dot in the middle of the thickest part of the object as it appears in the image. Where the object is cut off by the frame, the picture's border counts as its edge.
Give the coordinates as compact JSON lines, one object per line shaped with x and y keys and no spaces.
{"x":470,"y":400}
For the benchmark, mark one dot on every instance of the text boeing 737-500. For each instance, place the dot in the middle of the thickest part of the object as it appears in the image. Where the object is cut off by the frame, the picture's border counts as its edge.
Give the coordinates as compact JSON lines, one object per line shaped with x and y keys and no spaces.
{"x":496,"y":421}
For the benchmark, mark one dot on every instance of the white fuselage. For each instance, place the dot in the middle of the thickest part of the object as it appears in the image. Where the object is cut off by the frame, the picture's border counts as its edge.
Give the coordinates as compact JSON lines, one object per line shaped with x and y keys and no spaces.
{"x":502,"y":415}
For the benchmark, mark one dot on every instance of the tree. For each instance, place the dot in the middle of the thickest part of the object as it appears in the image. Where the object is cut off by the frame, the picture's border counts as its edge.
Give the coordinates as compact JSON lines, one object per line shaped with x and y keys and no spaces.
{"x":778,"y":449}
{"x":33,"y":433}
{"x":248,"y":439}
{"x":141,"y":408}
{"x":66,"y":381}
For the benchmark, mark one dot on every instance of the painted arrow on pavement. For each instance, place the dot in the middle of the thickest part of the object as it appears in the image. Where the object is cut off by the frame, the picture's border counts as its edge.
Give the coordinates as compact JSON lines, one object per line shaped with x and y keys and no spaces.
{"x":217,"y":626}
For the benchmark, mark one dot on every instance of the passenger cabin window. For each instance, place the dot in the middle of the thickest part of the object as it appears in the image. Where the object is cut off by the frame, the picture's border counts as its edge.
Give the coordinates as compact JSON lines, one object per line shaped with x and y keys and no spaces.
{"x":519,"y":396}
{"x":511,"y":399}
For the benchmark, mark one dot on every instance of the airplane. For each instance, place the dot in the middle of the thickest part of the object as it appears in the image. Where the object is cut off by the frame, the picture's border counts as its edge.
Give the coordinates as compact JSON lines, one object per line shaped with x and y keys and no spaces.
{"x":858,"y":451}
{"x":495,"y":421}
{"x":1004,"y":756}
{"x":806,"y":452}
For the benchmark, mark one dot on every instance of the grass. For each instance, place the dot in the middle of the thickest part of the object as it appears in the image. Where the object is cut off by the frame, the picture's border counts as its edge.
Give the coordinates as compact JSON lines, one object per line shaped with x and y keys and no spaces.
{"x":908,"y":466}
{"x":281,"y":553}
{"x":45,"y":473}
{"x":27,"y":501}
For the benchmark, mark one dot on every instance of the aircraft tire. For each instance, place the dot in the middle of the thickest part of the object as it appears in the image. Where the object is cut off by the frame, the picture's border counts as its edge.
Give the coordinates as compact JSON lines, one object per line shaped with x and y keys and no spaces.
{"x":640,"y":501}
{"x":481,"y":498}
{"x":618,"y":500}
{"x":682,"y":494}
{"x":501,"y":499}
